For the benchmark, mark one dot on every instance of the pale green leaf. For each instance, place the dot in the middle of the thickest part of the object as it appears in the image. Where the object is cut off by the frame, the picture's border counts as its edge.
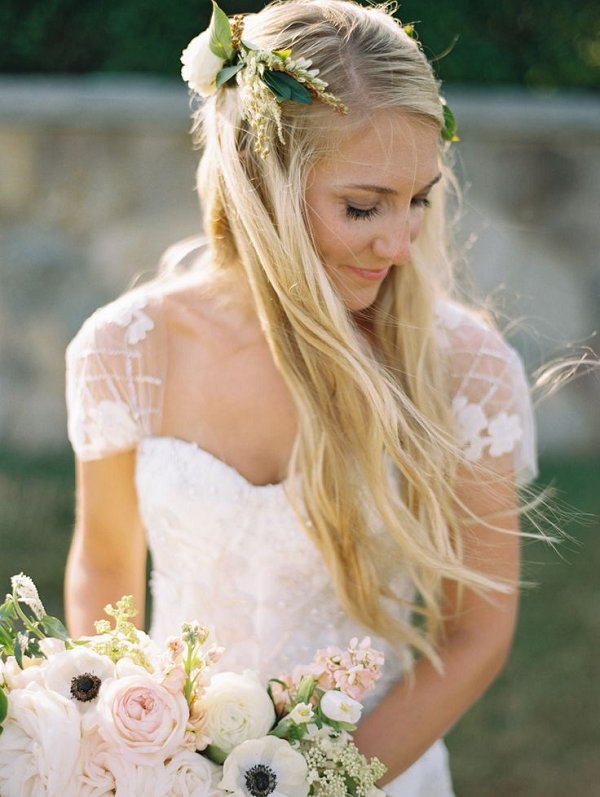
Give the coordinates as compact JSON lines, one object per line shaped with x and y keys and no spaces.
{"x":220,"y":34}
{"x":54,"y":628}
{"x":215,"y":754}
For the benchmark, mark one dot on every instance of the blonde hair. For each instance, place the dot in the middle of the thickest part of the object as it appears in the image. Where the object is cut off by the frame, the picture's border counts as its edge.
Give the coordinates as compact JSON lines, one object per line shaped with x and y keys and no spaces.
{"x":359,"y":408}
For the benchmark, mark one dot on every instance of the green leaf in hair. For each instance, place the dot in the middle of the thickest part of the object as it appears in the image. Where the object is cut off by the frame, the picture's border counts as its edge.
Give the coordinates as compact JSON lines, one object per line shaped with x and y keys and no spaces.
{"x":285,"y":87}
{"x":220,"y":34}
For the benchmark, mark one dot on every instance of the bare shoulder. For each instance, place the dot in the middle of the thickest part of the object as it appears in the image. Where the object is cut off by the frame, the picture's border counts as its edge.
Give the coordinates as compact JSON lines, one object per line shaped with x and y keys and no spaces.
{"x":211,"y":311}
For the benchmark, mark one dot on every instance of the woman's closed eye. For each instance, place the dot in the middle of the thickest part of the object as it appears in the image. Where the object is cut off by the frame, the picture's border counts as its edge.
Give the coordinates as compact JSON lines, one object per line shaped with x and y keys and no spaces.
{"x":421,"y":202}
{"x":368,"y":213}
{"x":361,"y":213}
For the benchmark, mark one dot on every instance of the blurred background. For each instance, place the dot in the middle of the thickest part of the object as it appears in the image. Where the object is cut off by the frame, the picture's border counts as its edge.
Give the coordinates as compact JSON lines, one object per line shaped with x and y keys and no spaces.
{"x":97,"y":179}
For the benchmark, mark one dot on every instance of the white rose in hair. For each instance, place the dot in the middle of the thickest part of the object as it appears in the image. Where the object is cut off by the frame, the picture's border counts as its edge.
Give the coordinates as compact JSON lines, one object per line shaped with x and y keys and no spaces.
{"x":39,"y":744}
{"x":341,"y":708}
{"x":200,"y":65}
{"x":237,"y":708}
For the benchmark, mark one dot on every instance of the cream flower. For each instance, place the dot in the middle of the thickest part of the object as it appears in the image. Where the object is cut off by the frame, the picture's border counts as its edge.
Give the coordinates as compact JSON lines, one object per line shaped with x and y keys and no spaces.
{"x":51,"y":646}
{"x":192,"y":775}
{"x":141,"y":718}
{"x":341,"y":708}
{"x":201,"y":65}
{"x":39,"y":744}
{"x":96,"y":778}
{"x":263,"y":767}
{"x":17,"y":678}
{"x":237,"y":708}
{"x":104,"y":774}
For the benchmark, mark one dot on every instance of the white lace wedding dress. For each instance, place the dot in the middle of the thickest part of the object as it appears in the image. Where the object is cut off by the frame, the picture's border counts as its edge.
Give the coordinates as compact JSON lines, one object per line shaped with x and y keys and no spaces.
{"x":235,"y":555}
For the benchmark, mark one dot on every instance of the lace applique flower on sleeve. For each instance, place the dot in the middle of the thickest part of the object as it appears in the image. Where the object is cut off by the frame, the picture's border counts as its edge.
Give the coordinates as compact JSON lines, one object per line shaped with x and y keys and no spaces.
{"x":491,"y":402}
{"x":114,"y":384}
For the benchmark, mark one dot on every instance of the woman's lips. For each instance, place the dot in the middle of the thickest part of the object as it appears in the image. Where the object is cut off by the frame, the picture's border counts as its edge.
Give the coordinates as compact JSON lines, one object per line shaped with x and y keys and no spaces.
{"x":369,"y":274}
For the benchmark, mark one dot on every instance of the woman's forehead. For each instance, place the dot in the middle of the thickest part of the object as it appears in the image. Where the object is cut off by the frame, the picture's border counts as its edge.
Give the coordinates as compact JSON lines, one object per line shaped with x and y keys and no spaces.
{"x":394,"y":146}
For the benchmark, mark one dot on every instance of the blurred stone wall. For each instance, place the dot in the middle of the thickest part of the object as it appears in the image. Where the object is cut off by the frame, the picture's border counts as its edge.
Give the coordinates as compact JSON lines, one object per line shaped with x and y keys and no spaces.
{"x":97,"y":179}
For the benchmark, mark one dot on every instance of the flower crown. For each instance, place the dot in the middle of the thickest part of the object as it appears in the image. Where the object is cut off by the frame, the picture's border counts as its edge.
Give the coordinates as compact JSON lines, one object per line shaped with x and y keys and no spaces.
{"x":219,"y":55}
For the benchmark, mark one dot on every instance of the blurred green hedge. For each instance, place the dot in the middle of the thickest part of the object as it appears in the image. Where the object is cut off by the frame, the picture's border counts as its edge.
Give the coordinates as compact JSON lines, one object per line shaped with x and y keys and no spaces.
{"x":539,"y":43}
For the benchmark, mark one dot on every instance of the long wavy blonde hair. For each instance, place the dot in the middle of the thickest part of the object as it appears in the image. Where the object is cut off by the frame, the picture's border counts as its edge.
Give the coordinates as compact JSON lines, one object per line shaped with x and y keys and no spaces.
{"x":359,"y":406}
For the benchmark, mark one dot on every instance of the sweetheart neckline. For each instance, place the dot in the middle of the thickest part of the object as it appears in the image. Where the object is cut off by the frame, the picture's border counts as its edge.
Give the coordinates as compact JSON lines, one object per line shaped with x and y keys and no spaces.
{"x":191,"y":445}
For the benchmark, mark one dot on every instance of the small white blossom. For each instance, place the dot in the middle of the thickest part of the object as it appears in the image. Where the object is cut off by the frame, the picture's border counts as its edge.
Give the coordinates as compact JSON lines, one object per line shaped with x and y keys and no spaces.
{"x":301,"y":713}
{"x":339,"y":707}
{"x":26,"y":592}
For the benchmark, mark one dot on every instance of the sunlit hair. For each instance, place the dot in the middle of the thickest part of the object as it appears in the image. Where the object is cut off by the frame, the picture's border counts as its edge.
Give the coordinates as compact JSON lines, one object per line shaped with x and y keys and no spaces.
{"x":375,"y":444}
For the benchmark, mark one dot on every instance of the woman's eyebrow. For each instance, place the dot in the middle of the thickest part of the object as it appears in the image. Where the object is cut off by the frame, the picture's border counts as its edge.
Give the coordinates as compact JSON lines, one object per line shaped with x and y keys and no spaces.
{"x":381,"y":189}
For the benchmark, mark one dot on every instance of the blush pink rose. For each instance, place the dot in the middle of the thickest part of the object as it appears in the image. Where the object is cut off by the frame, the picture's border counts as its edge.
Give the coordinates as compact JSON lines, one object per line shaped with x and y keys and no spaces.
{"x":142,"y":719}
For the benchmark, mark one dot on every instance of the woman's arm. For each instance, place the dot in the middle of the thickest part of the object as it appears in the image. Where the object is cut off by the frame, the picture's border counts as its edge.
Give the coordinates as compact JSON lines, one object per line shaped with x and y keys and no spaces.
{"x":477,"y":639}
{"x":107,"y":558}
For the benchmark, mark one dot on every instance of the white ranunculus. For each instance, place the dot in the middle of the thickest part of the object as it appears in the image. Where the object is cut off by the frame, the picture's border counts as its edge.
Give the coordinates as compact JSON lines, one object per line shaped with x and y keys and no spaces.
{"x":237,"y":708}
{"x":201,"y":65}
{"x":39,"y":744}
{"x":192,"y":775}
{"x":339,"y":707}
{"x":78,"y":674}
{"x":263,"y":767}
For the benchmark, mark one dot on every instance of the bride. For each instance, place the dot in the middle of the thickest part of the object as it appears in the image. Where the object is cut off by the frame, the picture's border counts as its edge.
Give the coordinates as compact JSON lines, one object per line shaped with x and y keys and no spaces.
{"x":313,"y":437}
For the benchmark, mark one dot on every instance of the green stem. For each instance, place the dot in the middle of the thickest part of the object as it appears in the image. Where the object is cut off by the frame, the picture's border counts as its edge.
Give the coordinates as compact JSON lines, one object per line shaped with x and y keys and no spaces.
{"x":26,"y":621}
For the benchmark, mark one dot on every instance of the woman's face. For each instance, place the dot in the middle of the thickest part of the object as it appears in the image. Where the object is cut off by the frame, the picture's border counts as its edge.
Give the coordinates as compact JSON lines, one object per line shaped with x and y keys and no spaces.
{"x":366,"y":204}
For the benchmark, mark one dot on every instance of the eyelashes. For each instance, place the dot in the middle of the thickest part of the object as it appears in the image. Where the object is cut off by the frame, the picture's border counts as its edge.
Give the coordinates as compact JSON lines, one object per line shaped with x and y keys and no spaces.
{"x":421,"y":202}
{"x":359,"y":213}
{"x":368,"y":213}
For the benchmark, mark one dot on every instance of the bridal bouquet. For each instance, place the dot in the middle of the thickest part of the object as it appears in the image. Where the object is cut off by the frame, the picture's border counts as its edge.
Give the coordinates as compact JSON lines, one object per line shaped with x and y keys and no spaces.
{"x":116,"y":714}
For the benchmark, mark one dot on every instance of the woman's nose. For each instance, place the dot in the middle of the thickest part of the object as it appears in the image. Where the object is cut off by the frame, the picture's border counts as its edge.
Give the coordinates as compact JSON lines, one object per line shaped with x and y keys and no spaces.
{"x":392,"y":244}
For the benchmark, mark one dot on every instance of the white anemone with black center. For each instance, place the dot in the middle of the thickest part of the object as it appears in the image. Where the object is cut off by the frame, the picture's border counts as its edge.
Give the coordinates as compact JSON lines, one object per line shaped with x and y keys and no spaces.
{"x":266,"y":767}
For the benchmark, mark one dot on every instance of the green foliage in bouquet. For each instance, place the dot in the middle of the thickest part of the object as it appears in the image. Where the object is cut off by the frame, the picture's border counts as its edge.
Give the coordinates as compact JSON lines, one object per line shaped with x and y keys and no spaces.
{"x":23,"y":624}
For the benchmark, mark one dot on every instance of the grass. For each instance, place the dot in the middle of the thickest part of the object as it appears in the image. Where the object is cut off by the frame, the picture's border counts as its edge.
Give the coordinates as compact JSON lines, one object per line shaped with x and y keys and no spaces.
{"x":534,"y":733}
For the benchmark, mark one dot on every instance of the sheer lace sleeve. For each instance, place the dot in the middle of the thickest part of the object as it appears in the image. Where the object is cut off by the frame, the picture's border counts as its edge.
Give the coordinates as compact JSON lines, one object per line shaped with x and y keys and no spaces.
{"x":115,"y":378}
{"x":491,"y":401}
